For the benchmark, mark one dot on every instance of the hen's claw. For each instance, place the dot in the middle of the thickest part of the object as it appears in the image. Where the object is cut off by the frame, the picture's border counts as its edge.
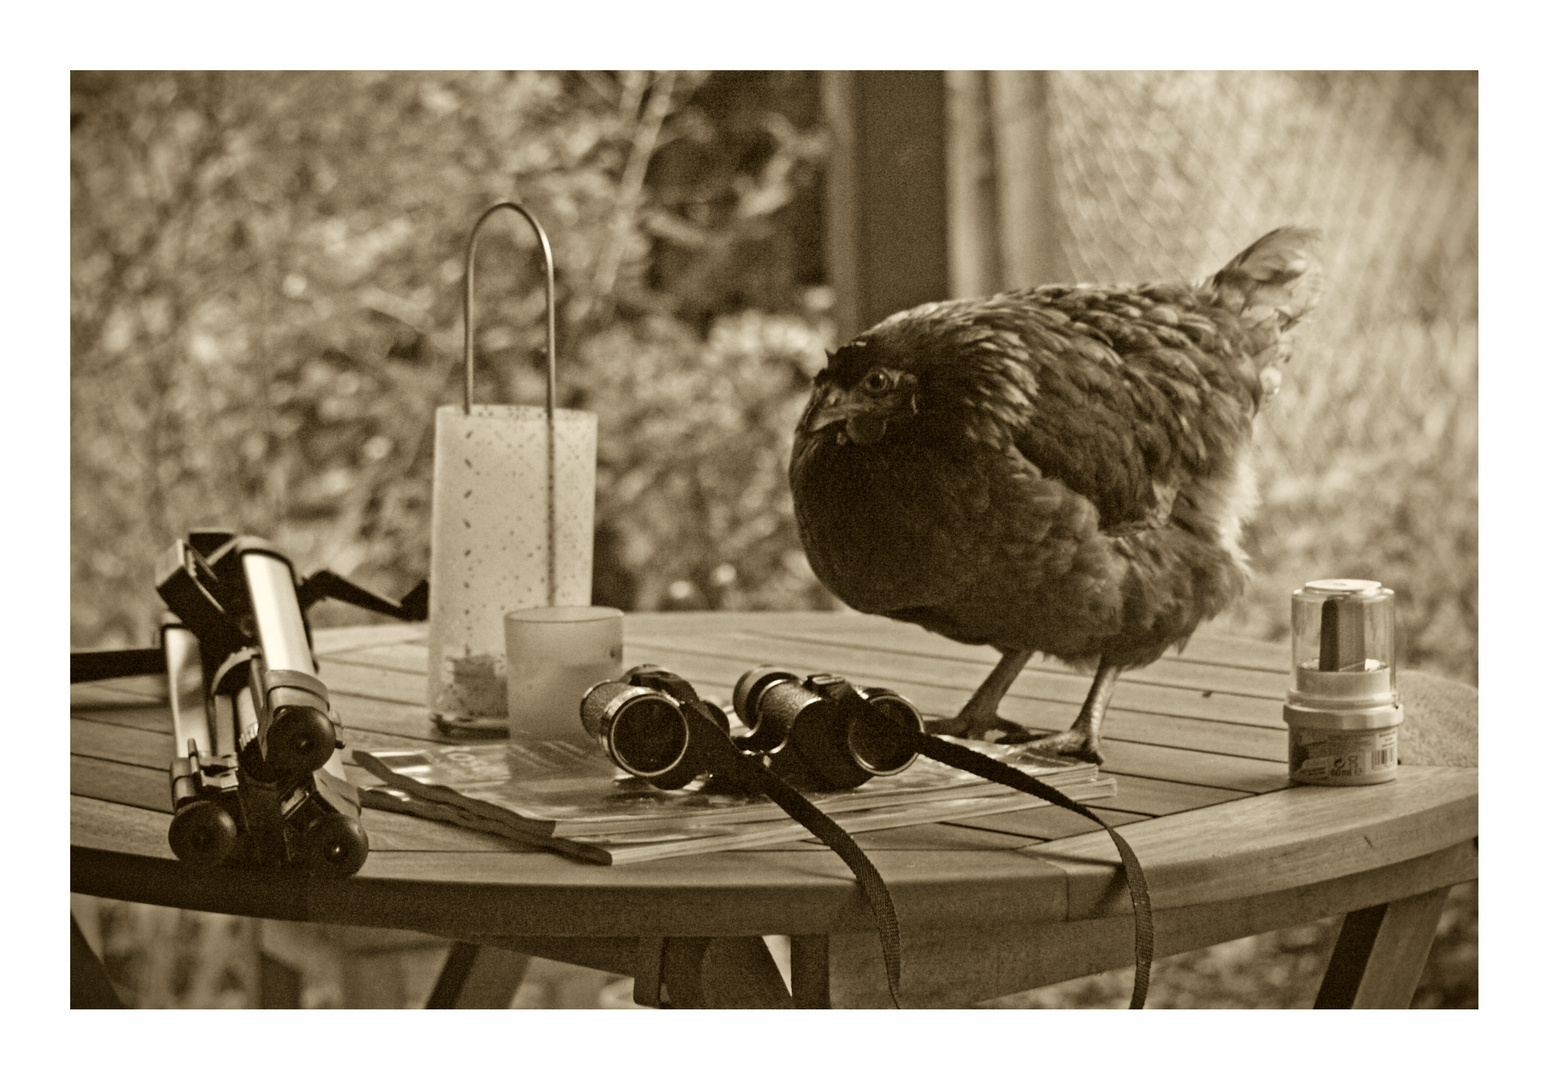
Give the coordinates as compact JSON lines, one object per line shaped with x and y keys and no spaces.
{"x":1075,"y":743}
{"x":964,"y":726}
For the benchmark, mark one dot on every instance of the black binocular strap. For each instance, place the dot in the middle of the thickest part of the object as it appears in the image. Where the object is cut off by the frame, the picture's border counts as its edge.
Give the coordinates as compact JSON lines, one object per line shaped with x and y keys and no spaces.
{"x":961,"y":757}
{"x":971,"y":761}
{"x":724,"y":759}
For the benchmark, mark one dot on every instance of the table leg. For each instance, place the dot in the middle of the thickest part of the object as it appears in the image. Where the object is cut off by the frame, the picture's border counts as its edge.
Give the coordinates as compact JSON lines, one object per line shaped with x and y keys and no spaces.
{"x":710,"y":973}
{"x":809,"y":972}
{"x":89,"y":985}
{"x":478,"y":977}
{"x":1381,"y":953}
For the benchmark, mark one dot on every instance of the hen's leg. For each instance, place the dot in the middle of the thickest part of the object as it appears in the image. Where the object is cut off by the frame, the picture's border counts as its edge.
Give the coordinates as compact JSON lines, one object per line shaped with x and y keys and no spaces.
{"x":980,"y":714}
{"x":1083,"y":739}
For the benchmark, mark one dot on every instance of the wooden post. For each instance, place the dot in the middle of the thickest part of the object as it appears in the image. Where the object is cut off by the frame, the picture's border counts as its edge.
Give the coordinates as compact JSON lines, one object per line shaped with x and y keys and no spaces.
{"x":940,"y":184}
{"x":972,"y":187}
{"x":1024,"y":172}
{"x":887,"y":193}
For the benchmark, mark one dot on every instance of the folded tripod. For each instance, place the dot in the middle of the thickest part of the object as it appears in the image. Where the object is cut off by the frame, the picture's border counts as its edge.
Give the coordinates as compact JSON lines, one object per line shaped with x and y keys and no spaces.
{"x":259,"y":777}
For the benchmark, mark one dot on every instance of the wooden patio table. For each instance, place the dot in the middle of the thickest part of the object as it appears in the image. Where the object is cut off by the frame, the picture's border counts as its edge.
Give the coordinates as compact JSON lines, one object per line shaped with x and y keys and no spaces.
{"x":986,"y":908}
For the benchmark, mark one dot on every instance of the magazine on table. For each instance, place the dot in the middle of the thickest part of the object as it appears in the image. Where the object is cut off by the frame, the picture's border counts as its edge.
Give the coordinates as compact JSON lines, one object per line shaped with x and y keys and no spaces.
{"x":665,"y":839}
{"x":568,"y":796}
{"x":559,"y":787}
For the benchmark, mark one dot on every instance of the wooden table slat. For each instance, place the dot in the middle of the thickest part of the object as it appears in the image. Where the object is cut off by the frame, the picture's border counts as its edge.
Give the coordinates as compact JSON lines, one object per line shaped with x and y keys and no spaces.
{"x":1172,"y":670}
{"x":113,"y":742}
{"x":344,"y":639}
{"x":373,"y":683}
{"x":1267,"y":843}
{"x":118,"y":828}
{"x":1193,"y":767}
{"x":117,"y":782}
{"x":1063,"y":688}
{"x":403,"y":657}
{"x":1207,"y":646}
{"x":935,"y":837}
{"x":1158,"y":798}
{"x":147,"y":718}
{"x":119,"y":693}
{"x":1050,"y":822}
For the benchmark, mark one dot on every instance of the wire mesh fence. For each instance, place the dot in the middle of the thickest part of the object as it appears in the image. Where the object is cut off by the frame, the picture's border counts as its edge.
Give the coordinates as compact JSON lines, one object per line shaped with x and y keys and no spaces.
{"x":1368,"y":458}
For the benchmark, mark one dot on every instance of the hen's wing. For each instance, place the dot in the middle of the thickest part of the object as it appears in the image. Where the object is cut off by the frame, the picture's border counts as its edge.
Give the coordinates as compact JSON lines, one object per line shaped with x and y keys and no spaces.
{"x":1123,"y":395}
{"x":1127,"y":395}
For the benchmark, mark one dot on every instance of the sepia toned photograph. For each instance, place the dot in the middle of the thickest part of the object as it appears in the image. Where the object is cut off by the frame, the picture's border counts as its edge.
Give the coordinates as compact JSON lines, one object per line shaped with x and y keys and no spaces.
{"x":875,"y":539}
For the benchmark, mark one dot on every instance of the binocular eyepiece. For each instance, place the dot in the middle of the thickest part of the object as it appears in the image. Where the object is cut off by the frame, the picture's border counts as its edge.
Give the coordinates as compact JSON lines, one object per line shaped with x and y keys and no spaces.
{"x":820,"y":731}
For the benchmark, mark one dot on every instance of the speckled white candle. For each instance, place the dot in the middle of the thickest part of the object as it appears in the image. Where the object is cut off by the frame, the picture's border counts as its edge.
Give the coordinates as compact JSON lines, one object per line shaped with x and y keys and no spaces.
{"x":489,"y":548}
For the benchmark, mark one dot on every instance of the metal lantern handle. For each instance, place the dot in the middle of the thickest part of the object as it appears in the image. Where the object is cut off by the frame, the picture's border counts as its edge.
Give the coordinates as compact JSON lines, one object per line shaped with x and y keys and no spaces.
{"x":548,"y":297}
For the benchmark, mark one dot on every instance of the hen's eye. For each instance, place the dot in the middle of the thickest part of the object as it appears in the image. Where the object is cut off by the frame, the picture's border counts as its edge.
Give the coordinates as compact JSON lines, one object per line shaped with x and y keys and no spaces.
{"x":876,"y":381}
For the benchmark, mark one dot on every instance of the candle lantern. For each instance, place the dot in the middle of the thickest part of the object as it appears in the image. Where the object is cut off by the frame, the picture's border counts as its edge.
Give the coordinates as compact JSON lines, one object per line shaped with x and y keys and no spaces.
{"x":512,"y":503}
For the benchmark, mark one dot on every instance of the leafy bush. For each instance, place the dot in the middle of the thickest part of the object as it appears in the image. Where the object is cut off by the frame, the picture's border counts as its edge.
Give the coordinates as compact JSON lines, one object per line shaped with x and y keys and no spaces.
{"x":266,"y":311}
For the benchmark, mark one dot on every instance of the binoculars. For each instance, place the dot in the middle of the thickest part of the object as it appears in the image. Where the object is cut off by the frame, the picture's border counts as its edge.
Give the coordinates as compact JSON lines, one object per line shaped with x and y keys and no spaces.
{"x":820,"y":732}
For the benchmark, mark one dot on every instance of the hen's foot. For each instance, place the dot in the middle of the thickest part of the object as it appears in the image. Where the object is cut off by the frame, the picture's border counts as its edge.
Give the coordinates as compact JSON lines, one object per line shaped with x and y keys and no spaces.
{"x":965,"y":726}
{"x":1075,"y":743}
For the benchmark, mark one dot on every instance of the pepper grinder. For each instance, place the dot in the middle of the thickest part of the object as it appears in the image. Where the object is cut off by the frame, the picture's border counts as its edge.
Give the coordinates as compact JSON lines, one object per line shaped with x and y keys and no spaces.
{"x":1342,"y":709}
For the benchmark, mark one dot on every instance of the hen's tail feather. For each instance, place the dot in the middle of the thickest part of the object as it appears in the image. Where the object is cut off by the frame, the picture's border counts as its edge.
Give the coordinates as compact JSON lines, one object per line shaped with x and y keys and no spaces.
{"x":1281,"y":270}
{"x":1277,"y":280}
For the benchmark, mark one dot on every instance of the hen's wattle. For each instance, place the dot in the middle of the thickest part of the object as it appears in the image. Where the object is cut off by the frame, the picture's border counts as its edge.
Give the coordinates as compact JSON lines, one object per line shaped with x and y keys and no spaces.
{"x":1061,"y":470}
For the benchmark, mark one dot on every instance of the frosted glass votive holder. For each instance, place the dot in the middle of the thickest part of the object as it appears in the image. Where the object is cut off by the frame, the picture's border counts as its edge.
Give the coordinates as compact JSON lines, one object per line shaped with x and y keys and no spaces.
{"x":553,"y":656}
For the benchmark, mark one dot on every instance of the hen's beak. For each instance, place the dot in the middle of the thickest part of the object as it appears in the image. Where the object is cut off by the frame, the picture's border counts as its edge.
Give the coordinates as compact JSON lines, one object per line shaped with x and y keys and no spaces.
{"x":829,"y":406}
{"x":865,"y":419}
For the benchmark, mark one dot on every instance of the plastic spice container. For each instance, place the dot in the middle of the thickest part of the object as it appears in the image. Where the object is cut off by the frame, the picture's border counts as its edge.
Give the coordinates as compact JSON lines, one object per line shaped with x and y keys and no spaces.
{"x":1342,"y":709}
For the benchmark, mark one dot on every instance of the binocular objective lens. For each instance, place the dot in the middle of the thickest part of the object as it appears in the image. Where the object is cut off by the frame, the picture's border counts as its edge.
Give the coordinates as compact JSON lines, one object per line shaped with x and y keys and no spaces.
{"x":649,"y":736}
{"x":876,"y":743}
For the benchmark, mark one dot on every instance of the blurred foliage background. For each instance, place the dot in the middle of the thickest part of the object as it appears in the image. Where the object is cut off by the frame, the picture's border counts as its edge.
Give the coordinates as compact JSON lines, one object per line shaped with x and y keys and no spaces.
{"x":265,"y":311}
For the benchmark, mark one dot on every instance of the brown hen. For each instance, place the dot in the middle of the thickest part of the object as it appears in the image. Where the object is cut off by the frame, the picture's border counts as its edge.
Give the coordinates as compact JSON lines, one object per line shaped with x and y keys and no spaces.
{"x":1061,"y":470}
